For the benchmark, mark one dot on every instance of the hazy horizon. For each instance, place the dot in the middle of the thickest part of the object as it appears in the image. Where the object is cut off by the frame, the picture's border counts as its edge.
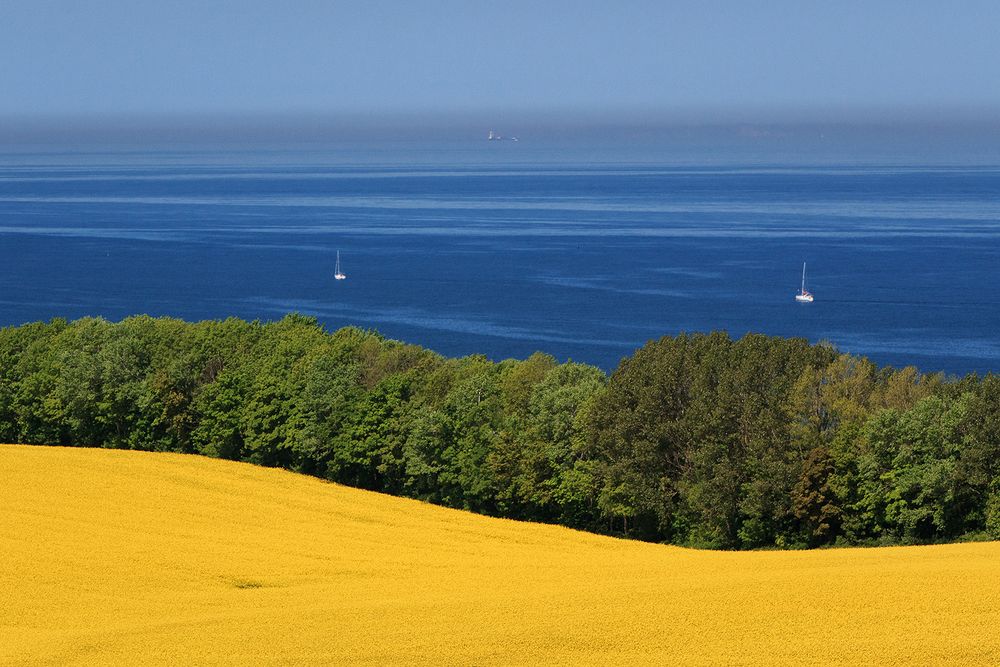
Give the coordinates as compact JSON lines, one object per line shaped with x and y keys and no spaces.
{"x":543,"y":137}
{"x":888,"y":81}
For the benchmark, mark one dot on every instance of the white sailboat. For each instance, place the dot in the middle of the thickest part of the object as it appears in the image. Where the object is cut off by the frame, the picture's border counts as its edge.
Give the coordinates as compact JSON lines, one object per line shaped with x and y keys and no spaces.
{"x":338,"y":274}
{"x":803,"y":296}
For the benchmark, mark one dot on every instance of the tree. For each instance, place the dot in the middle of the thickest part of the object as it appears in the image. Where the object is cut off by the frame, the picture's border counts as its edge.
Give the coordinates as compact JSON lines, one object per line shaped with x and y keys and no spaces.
{"x":814,"y":501}
{"x":219,"y":406}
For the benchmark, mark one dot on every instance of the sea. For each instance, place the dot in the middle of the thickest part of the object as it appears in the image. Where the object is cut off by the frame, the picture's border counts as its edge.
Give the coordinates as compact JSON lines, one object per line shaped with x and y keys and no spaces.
{"x":507,"y":248}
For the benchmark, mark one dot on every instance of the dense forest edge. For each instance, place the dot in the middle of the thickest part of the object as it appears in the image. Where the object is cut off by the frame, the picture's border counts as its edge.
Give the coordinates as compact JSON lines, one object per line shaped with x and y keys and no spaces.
{"x":698,"y":440}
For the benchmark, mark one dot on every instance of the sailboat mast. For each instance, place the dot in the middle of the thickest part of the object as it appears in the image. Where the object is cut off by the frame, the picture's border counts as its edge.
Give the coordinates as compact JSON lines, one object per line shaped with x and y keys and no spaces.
{"x":337,"y":273}
{"x":803,"y":277}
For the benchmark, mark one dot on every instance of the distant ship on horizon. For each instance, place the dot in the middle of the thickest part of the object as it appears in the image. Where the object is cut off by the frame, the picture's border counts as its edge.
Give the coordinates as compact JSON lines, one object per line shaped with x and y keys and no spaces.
{"x":493,"y":136}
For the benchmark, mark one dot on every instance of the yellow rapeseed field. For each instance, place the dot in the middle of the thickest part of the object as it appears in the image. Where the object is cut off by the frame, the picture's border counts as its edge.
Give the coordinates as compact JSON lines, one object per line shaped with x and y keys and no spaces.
{"x":116,"y":557}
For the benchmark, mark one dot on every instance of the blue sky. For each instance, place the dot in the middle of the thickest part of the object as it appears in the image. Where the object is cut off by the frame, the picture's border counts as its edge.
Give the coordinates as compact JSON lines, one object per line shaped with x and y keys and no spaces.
{"x":733,"y":59}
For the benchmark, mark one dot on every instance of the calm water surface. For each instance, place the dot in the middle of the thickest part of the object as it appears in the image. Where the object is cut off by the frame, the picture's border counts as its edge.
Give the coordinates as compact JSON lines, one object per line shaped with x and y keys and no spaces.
{"x":509,"y":249}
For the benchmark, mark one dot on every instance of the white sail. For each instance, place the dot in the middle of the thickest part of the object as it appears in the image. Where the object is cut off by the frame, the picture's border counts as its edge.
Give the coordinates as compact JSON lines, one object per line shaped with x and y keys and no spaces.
{"x":803,"y":296}
{"x":338,"y":274}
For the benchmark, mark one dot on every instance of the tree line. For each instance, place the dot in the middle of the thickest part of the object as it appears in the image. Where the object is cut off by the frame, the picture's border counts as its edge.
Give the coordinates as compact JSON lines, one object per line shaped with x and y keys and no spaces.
{"x":697,"y":440}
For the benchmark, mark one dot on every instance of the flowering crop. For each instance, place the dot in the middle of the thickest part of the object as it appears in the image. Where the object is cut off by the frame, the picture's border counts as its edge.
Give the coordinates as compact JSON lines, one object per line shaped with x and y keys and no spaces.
{"x":137,"y":558}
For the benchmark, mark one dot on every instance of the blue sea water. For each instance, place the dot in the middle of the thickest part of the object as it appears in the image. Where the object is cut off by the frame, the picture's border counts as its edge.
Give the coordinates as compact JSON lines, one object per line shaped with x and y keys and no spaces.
{"x":507,"y":249}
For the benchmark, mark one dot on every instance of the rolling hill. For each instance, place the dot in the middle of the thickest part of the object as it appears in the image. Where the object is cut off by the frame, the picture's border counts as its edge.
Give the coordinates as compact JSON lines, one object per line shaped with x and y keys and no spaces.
{"x":130,"y":557}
